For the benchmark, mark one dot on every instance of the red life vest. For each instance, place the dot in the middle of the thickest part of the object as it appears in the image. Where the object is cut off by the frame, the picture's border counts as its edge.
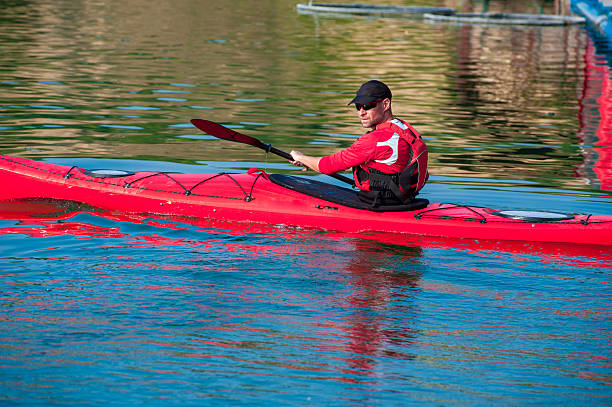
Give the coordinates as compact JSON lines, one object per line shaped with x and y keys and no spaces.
{"x":385,"y":182}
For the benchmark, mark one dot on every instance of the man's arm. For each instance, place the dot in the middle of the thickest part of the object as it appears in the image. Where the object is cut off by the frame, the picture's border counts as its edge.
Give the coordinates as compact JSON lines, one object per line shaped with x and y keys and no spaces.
{"x":361,"y":151}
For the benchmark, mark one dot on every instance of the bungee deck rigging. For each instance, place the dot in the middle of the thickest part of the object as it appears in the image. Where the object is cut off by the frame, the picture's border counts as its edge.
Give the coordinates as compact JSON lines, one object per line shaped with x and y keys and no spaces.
{"x":90,"y":176}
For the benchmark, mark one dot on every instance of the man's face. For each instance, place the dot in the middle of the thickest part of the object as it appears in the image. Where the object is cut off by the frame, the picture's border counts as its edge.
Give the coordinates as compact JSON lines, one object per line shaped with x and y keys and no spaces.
{"x":373,"y":116}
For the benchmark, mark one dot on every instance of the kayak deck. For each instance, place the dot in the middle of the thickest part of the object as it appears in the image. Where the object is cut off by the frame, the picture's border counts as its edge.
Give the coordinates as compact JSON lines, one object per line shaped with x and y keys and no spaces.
{"x":258,"y":197}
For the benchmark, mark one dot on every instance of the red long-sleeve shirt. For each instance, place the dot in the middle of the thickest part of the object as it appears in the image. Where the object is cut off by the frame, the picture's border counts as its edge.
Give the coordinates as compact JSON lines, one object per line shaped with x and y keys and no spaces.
{"x":374,"y":149}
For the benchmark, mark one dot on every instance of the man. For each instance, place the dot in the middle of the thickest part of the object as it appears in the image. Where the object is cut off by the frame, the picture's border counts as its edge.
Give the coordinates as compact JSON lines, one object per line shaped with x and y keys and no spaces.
{"x":389,"y":162}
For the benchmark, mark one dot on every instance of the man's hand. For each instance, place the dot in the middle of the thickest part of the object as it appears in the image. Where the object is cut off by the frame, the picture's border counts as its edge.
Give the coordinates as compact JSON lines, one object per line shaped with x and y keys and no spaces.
{"x":302,"y":160}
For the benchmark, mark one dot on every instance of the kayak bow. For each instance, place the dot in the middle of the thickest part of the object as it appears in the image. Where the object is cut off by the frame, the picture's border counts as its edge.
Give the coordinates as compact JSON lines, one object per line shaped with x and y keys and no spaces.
{"x":258,"y":197}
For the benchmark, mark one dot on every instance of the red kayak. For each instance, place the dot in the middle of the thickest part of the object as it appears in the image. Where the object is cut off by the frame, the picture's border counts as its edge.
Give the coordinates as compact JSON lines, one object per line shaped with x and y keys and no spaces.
{"x":274,"y":199}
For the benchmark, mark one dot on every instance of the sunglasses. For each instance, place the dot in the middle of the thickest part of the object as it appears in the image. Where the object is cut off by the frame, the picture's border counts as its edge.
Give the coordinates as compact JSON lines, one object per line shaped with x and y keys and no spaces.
{"x":366,"y":106}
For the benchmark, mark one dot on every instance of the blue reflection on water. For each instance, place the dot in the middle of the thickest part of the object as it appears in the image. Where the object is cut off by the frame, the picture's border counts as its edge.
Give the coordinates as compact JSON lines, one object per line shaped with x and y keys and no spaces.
{"x":103,"y":309}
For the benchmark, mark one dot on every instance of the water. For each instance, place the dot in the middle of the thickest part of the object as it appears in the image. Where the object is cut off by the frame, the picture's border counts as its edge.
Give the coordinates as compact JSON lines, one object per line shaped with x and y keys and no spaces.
{"x":107,"y":308}
{"x":100,"y":311}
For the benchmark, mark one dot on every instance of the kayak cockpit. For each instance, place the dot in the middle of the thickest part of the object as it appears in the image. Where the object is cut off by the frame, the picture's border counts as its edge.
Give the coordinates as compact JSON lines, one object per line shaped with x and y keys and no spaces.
{"x":339,"y":195}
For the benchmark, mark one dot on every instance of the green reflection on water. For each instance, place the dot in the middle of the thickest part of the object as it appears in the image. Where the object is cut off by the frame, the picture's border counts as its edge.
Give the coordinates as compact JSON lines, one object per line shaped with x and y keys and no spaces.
{"x":108,"y":79}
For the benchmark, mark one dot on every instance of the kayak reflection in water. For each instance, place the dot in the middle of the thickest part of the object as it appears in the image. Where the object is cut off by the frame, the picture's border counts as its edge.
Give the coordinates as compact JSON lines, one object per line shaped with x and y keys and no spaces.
{"x":389,"y":162}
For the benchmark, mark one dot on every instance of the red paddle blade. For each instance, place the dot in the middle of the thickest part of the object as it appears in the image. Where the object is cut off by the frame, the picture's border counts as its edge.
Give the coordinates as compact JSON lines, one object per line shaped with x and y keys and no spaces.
{"x":222,"y":132}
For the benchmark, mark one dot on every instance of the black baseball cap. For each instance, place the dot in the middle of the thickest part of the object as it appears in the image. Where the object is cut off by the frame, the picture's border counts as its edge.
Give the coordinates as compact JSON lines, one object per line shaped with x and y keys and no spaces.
{"x":371,"y":91}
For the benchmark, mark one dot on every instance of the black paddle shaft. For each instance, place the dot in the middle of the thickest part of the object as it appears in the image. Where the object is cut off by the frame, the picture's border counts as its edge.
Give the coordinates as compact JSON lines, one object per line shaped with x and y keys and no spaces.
{"x":268,"y":148}
{"x":222,"y":132}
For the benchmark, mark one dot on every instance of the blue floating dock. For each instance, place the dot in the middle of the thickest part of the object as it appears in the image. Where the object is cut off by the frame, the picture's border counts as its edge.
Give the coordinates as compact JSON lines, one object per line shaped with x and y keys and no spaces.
{"x":369,"y":9}
{"x":597,"y":14}
{"x":505,"y":19}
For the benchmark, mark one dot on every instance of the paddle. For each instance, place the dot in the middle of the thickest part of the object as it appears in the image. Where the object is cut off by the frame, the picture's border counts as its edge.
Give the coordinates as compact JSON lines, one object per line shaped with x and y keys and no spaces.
{"x":222,"y":132}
